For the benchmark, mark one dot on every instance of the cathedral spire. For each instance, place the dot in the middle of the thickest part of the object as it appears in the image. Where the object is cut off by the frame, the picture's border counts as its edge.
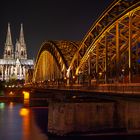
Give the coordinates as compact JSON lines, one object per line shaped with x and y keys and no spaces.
{"x":21,"y":37}
{"x":8,"y":37}
{"x":8,"y":50}
{"x":21,"y":46}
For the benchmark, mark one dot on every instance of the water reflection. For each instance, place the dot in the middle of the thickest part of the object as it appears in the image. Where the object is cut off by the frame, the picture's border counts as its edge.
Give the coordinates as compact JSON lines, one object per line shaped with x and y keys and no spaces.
{"x":2,"y":105}
{"x":18,"y":123}
{"x":24,"y":112}
{"x":10,"y":122}
{"x":29,"y":127}
{"x":41,"y":118}
{"x":11,"y":105}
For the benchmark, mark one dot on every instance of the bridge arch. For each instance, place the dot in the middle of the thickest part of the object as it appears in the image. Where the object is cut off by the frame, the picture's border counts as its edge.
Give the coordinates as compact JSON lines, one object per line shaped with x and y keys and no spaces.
{"x":53,"y":60}
{"x":110,"y":50}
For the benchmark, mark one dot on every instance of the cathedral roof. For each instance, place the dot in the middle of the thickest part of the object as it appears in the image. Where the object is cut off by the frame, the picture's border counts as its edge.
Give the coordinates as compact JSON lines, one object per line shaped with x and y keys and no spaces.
{"x":13,"y":61}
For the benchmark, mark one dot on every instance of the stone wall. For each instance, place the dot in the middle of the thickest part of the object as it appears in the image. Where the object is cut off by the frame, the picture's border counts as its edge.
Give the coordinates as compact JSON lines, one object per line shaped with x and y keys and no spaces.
{"x":67,"y":117}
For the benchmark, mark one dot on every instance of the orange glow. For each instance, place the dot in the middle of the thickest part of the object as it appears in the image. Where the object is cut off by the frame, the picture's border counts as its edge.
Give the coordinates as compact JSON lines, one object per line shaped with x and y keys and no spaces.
{"x":26,"y":95}
{"x":11,"y":104}
{"x":26,"y":103}
{"x":11,"y":93}
{"x":100,"y":73}
{"x":24,"y":112}
{"x":73,"y":97}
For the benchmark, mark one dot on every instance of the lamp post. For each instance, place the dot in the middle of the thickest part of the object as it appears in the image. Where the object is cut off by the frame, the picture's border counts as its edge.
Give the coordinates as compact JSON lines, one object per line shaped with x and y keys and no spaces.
{"x":100,"y":76}
{"x":73,"y":79}
{"x":123,"y":74}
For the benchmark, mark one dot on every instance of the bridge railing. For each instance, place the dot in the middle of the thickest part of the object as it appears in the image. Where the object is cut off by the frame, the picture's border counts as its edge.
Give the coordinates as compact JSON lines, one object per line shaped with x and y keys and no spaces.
{"x":133,"y":88}
{"x":120,"y":88}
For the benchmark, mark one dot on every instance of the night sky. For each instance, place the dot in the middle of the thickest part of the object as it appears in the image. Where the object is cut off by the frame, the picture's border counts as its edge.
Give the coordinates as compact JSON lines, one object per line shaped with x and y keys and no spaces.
{"x":48,"y":20}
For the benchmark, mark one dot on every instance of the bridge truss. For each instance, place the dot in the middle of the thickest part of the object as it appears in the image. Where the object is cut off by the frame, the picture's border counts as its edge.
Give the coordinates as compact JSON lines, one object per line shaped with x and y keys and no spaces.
{"x":109,"y":52}
{"x":53,"y":60}
{"x":111,"y":49}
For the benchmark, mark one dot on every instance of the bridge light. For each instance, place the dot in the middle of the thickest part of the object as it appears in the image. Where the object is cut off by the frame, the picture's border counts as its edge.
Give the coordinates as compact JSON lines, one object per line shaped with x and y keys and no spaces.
{"x":123,"y":75}
{"x":68,"y":72}
{"x":79,"y":72}
{"x":100,"y":73}
{"x":11,"y":93}
{"x":26,"y":95}
{"x":122,"y":70}
{"x":74,"y":97}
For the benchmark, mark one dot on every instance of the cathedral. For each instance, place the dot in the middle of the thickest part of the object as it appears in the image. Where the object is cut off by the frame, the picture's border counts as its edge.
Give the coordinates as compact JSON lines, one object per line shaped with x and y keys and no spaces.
{"x":15,"y":63}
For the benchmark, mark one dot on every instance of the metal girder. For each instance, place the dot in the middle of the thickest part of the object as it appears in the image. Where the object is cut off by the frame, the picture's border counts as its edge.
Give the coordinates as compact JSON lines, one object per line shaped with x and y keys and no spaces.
{"x":116,"y":10}
{"x":114,"y":43}
{"x":61,"y":52}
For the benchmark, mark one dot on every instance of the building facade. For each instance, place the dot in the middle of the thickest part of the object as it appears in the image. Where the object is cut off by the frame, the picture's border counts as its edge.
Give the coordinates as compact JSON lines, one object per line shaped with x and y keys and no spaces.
{"x":15,"y":63}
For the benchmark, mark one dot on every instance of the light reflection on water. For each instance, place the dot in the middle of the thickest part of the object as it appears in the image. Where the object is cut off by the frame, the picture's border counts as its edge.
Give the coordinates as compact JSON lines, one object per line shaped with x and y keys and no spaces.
{"x":18,"y":123}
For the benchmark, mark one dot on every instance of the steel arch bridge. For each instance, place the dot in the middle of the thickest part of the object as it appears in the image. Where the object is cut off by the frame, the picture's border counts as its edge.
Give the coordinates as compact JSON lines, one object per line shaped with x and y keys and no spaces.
{"x":111,"y":48}
{"x":53,"y":60}
{"x":110,"y":51}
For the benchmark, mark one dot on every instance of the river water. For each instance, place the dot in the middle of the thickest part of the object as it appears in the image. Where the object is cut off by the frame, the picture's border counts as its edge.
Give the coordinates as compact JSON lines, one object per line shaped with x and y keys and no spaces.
{"x":21,"y":123}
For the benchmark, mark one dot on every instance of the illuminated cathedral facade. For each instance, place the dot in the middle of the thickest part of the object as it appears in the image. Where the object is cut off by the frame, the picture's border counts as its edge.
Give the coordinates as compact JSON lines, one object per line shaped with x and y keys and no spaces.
{"x":15,"y":63}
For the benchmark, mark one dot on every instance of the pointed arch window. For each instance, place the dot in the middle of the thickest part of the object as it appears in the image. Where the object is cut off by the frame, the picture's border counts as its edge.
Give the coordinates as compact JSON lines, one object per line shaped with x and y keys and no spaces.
{"x":22,"y":53}
{"x":8,"y":52}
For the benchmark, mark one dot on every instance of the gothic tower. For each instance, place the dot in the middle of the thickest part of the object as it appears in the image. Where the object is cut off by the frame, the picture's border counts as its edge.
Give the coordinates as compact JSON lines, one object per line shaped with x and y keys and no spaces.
{"x":8,"y":49}
{"x":20,"y":51}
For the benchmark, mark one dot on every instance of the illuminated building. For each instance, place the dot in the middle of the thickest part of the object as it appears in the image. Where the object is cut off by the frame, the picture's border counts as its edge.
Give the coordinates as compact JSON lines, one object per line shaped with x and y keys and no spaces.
{"x":15,"y":62}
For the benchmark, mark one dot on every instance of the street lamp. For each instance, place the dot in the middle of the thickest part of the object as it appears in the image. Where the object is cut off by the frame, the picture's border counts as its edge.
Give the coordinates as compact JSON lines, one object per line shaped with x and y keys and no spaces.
{"x":123,"y":74}
{"x":100,"y":74}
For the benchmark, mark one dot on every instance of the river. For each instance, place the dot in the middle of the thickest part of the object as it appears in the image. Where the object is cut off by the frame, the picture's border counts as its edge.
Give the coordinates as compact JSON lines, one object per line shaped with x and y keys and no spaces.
{"x":21,"y":123}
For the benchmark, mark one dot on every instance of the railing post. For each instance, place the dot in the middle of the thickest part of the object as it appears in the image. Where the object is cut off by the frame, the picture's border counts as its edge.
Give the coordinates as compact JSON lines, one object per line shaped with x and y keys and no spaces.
{"x":117,"y":52}
{"x":89,"y":70}
{"x":106,"y":59}
{"x":97,"y":65}
{"x":130,"y":45}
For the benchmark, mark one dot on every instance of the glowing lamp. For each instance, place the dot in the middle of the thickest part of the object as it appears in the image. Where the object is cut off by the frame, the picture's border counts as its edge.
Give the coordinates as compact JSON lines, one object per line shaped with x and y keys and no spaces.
{"x":100,"y":73}
{"x":11,"y":93}
{"x":26,"y":95}
{"x":122,"y":70}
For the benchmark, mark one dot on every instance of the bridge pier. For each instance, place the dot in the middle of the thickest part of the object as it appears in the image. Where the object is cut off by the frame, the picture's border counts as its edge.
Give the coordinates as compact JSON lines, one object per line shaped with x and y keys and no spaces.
{"x":68,"y":118}
{"x":80,"y":112}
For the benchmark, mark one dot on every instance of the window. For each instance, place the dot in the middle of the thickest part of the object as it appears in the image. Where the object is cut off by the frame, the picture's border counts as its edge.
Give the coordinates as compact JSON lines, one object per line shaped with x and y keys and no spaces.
{"x":8,"y":52}
{"x":21,"y":52}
